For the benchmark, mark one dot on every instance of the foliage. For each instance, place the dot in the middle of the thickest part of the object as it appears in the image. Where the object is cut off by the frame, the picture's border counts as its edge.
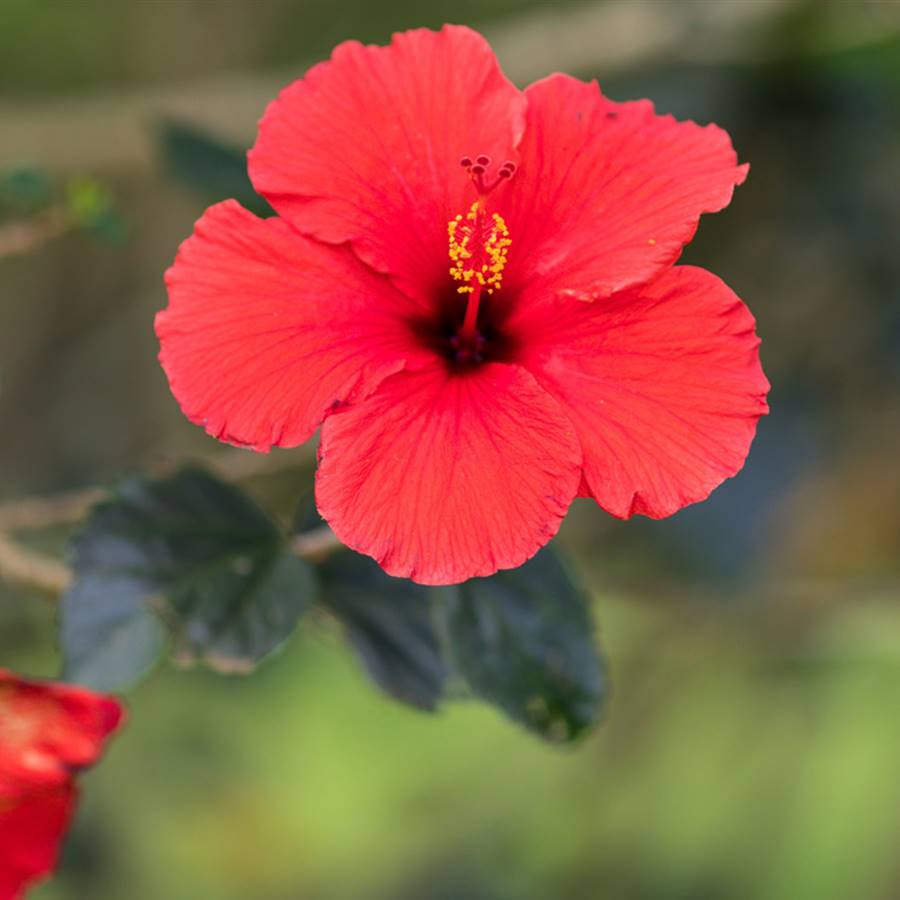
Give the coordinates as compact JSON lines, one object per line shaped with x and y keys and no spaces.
{"x":188,"y":550}
{"x":191,"y":558}
{"x":523,"y":640}
{"x":208,"y":165}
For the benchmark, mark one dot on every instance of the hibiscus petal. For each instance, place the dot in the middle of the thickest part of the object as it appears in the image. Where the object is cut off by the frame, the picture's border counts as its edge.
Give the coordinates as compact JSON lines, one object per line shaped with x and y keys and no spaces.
{"x":32,"y":827}
{"x":663,"y":384}
{"x":48,"y":730}
{"x":47,"y":733}
{"x":607,"y":194}
{"x":267,"y":331}
{"x":442,"y":476}
{"x":366,"y":147}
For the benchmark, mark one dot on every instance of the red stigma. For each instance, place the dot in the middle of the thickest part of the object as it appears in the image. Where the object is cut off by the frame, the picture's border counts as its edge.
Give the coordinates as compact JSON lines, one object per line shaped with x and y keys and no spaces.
{"x":478,"y":171}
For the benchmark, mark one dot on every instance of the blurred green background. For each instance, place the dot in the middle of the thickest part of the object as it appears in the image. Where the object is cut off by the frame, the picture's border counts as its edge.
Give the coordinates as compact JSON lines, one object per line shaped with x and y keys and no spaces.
{"x":751,"y":744}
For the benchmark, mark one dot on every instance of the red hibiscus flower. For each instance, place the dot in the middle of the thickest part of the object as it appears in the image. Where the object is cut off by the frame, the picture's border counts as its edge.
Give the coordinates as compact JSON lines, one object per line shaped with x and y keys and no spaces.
{"x":480,"y":342}
{"x":47,"y":733}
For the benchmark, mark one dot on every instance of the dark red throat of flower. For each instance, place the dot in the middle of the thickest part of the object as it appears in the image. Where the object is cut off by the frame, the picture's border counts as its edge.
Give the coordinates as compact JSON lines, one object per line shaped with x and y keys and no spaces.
{"x":479,"y":246}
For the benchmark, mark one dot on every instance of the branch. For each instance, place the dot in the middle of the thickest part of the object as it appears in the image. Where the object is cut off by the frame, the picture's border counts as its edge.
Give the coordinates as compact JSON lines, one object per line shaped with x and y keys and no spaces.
{"x":30,"y":568}
{"x":316,"y":545}
{"x":17,"y":238}
{"x":36,"y":513}
{"x":22,"y":566}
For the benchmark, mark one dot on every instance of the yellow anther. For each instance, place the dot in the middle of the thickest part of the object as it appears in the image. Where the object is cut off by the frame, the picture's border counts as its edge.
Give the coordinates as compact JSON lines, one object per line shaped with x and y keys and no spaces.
{"x":491,"y":240}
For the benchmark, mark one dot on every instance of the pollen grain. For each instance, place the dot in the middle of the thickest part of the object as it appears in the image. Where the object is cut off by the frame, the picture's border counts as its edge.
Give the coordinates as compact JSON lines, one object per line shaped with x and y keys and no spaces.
{"x":479,"y":245}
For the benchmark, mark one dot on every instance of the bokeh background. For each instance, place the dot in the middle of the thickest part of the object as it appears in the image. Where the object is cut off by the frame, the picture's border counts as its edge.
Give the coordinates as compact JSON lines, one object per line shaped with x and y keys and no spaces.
{"x":751,"y":743}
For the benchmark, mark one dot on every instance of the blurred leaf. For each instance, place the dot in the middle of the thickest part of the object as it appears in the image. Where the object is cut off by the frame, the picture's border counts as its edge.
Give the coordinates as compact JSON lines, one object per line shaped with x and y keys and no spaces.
{"x":24,"y":190}
{"x":206,"y":164}
{"x":306,"y":516}
{"x":523,"y":640}
{"x":388,"y":622}
{"x":198,"y":551}
{"x":109,"y":637}
{"x":108,"y":226}
{"x":90,"y":206}
{"x":86,"y":198}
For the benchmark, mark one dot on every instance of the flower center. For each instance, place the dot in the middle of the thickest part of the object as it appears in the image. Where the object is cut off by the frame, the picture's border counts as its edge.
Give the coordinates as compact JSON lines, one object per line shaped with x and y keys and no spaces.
{"x":478,"y":246}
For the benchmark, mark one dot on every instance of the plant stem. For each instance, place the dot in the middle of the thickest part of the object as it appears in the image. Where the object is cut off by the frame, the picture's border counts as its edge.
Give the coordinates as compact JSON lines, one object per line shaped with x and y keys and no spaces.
{"x":30,"y":568}
{"x":316,"y":545}
{"x":17,"y":238}
{"x":22,"y":566}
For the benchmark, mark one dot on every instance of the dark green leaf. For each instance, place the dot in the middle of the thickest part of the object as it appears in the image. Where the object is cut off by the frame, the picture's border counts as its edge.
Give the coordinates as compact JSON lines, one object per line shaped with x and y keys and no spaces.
{"x":235,"y":612}
{"x":109,"y":636}
{"x":306,"y":516}
{"x":523,"y":640}
{"x":199,"y":553}
{"x":210,"y":166}
{"x":24,"y":190}
{"x":90,"y":205}
{"x":388,"y":623}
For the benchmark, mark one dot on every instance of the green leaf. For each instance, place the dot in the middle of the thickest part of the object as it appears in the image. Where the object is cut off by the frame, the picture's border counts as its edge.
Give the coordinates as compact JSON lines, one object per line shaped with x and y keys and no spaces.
{"x":90,"y":205}
{"x":523,"y":640}
{"x":197,"y":552}
{"x":203,"y":162}
{"x":108,"y":635}
{"x":306,"y":516}
{"x":388,"y":622}
{"x":24,"y":190}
